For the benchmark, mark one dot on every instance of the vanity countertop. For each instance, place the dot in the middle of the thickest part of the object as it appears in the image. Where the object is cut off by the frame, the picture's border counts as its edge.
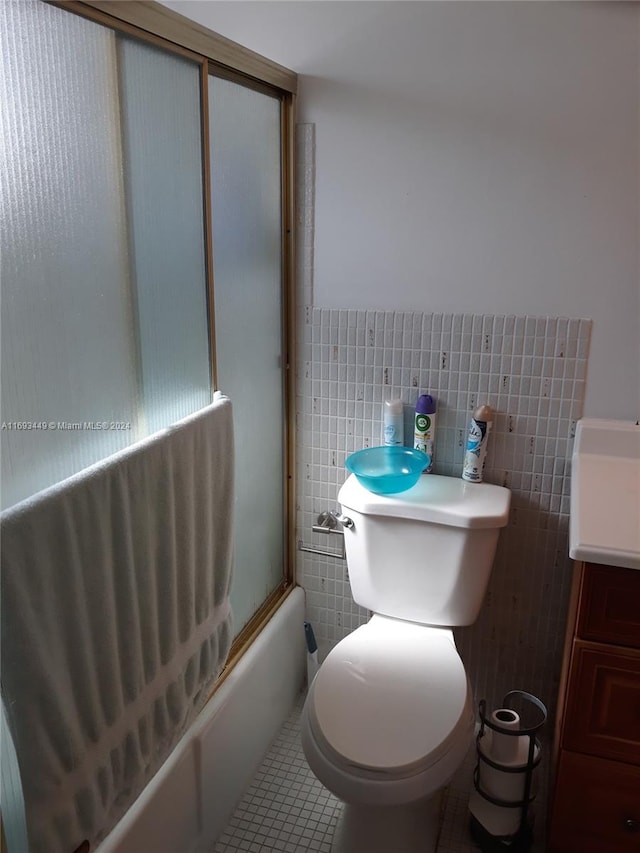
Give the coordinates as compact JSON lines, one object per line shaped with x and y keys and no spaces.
{"x":604,"y":522}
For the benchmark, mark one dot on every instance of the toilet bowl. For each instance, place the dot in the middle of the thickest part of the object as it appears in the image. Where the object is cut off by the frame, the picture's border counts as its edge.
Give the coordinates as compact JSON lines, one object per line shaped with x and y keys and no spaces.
{"x":389,"y":716}
{"x":387,"y":722}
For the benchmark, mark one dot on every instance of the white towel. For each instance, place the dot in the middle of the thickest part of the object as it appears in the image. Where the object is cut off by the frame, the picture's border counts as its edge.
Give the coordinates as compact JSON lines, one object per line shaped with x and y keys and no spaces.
{"x":115,"y":622}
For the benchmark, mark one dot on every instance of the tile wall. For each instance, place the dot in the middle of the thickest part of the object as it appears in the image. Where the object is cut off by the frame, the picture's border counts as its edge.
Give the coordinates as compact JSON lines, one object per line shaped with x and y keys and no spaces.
{"x":531,"y":370}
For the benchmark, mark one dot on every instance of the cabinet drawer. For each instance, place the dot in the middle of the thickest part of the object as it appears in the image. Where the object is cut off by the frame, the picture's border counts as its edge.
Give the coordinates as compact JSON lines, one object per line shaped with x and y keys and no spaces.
{"x":602,"y":716}
{"x":596,"y":806}
{"x":610,"y":606}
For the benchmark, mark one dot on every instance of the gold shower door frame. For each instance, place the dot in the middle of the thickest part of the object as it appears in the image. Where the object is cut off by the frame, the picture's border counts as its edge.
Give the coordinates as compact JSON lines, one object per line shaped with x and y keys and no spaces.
{"x":216,"y":55}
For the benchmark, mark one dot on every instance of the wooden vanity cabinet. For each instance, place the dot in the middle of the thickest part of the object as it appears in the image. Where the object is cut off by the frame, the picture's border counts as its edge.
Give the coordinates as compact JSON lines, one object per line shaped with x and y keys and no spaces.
{"x":595,"y":807}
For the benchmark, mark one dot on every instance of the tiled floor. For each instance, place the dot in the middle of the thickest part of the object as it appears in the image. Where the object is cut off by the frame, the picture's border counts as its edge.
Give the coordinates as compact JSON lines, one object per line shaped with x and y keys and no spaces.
{"x":287,"y":810}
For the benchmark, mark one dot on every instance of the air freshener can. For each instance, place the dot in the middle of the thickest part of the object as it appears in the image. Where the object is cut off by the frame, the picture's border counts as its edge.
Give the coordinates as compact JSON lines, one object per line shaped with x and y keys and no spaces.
{"x":476,"y":451}
{"x":424,"y":430}
{"x":393,"y":427}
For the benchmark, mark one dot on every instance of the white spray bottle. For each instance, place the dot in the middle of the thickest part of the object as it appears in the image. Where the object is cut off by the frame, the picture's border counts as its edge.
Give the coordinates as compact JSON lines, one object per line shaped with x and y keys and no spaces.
{"x":476,"y":451}
{"x":393,"y":428}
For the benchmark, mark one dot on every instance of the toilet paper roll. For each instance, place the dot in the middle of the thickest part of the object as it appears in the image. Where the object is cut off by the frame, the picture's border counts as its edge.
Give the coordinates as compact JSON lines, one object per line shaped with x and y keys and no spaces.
{"x":501,"y":785}
{"x":497,"y":820}
{"x":505,"y":748}
{"x":511,"y":752}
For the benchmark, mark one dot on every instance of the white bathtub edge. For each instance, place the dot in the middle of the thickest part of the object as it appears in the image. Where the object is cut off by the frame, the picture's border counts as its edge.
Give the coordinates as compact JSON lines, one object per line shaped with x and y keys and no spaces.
{"x":189,"y":801}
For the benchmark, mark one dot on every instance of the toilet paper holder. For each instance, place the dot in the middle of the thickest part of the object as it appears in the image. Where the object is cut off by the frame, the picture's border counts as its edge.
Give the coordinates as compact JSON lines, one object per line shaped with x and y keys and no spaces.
{"x":507,"y":755}
{"x":329,"y":521}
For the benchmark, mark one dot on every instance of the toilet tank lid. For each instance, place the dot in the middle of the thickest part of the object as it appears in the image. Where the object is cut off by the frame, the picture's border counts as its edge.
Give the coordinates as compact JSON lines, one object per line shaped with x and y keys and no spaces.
{"x":436,"y":499}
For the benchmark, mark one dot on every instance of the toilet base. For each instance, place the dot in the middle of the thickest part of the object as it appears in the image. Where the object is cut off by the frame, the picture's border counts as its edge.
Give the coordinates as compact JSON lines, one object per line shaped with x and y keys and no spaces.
{"x":411,"y":828}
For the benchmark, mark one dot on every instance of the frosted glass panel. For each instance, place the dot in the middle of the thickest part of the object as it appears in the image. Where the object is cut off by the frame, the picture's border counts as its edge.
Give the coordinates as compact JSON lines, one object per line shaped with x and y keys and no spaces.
{"x":104,"y":314}
{"x":245,"y":187}
{"x":68,"y":354}
{"x":163,"y":175}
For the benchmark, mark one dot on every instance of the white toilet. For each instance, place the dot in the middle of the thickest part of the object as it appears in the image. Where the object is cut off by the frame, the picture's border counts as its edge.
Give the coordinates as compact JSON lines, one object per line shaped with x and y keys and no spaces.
{"x":389,"y":717}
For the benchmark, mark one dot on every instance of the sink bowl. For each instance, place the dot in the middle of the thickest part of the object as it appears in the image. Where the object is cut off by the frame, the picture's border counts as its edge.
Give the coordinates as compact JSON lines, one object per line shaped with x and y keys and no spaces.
{"x":604,"y":522}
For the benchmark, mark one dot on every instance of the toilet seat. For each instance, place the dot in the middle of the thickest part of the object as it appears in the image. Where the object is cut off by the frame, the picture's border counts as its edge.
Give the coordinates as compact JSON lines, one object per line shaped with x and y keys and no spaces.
{"x":390,"y":700}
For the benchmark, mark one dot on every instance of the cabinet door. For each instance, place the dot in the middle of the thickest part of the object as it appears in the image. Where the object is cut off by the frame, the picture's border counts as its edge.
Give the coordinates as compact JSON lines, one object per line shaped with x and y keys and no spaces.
{"x":603,"y":711}
{"x":596,"y":807}
{"x":610,"y":606}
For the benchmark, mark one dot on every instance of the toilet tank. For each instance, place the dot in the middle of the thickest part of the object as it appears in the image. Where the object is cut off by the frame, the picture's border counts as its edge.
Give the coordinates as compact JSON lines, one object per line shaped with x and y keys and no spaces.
{"x":424,"y":555}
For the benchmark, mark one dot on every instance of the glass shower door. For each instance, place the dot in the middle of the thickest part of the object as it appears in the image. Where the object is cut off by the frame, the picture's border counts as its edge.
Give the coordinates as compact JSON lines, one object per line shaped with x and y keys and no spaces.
{"x":244,"y":128}
{"x":105,"y":335}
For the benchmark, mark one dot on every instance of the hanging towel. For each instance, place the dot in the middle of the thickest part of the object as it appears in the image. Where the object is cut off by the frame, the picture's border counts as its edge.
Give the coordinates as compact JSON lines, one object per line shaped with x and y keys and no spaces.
{"x":115,"y":622}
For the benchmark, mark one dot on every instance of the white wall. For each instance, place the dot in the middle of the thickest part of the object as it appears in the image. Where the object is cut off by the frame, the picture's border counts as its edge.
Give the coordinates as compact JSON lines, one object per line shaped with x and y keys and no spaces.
{"x":471,"y":157}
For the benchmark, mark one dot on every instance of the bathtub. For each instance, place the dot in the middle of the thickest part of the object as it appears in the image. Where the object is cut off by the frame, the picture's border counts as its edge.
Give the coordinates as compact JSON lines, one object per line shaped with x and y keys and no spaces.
{"x":187,"y":804}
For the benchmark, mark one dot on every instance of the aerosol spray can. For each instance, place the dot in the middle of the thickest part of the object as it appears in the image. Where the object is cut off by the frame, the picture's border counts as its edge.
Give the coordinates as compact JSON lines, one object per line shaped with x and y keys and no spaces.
{"x":476,"y":451}
{"x":424,"y":430}
{"x":393,"y":427}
